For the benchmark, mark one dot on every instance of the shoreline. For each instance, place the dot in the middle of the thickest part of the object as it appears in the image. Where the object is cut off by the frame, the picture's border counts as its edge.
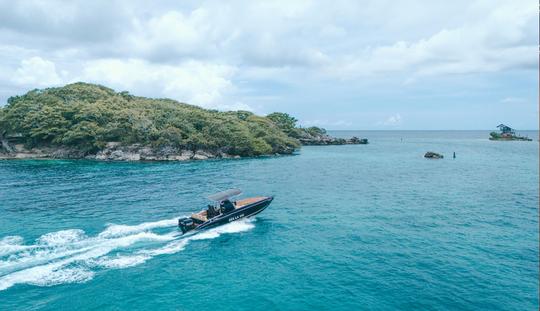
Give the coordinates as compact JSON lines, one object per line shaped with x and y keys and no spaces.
{"x":117,"y":152}
{"x":4,"y":158}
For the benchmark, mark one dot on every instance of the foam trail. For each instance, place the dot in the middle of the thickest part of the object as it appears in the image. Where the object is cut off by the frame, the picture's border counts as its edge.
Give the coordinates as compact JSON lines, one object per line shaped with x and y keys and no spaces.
{"x":11,"y":244}
{"x":170,"y":248}
{"x":118,"y":262}
{"x":70,"y":256}
{"x":120,"y":230}
{"x":48,"y":254}
{"x":179,"y":245}
{"x":61,"y":237}
{"x":233,"y":227}
{"x":176,"y":245}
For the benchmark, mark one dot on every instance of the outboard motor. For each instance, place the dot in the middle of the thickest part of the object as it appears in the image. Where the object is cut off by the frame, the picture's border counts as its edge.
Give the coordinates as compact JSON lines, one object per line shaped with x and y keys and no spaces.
{"x":186,"y":224}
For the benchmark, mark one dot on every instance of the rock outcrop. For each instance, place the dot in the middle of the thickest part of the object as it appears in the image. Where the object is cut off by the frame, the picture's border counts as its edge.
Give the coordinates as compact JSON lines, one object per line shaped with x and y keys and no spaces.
{"x":507,"y":137}
{"x":433,"y":155}
{"x":329,"y":140}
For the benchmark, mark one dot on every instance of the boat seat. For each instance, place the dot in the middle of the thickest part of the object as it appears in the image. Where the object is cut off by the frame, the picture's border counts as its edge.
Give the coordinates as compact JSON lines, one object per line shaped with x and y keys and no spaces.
{"x":200,"y":217}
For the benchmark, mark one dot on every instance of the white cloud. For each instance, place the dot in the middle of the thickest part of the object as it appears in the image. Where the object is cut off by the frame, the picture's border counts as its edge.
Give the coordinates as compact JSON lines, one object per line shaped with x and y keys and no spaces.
{"x":493,"y":42}
{"x":36,"y":71}
{"x":62,"y":22}
{"x":342,"y":38}
{"x":332,"y":30}
{"x":193,"y":82}
{"x":393,"y":120}
{"x":513,"y":100}
{"x":175,"y":34}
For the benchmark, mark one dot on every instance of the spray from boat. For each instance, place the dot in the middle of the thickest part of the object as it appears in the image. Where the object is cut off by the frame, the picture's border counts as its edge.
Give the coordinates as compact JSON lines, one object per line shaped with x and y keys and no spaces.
{"x":70,"y":256}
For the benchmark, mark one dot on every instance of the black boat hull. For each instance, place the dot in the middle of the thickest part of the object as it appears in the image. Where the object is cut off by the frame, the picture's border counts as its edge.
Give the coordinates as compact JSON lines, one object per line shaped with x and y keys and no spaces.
{"x":239,"y":213}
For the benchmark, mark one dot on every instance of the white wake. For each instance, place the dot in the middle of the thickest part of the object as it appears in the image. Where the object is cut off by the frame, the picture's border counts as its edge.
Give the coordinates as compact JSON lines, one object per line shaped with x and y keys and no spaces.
{"x":70,"y":256}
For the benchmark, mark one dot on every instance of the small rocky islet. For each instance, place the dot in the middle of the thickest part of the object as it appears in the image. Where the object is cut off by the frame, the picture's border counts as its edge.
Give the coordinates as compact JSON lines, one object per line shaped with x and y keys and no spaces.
{"x":507,"y":133}
{"x":90,"y":121}
{"x":433,"y":155}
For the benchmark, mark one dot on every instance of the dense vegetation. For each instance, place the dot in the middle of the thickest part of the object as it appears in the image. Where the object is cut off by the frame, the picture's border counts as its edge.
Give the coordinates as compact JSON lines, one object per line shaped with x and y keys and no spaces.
{"x":287,"y":124}
{"x":87,"y":116}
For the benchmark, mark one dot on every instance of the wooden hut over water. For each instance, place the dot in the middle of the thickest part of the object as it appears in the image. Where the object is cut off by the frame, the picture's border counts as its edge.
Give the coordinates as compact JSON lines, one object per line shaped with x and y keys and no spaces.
{"x":506,"y":129}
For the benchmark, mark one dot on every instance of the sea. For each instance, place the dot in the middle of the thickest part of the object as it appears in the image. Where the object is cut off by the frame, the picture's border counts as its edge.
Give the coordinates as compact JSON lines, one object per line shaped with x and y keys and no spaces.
{"x":352,"y":227}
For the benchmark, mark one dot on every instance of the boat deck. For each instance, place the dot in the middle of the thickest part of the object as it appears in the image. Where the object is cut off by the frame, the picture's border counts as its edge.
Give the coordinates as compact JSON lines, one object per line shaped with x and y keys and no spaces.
{"x":244,"y":202}
{"x":202,"y":215}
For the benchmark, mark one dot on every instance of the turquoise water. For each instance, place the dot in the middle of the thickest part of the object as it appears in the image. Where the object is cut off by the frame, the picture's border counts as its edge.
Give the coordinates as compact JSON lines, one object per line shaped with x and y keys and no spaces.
{"x":373,"y":227}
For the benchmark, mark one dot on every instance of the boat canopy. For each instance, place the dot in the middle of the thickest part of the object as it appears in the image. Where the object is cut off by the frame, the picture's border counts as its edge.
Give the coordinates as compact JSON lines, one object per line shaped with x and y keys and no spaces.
{"x":224,"y":195}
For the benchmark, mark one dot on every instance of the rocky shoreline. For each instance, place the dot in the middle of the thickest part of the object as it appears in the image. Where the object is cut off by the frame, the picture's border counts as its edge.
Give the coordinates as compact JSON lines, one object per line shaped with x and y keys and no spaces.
{"x":329,"y":140}
{"x":510,"y":138}
{"x":113,"y":151}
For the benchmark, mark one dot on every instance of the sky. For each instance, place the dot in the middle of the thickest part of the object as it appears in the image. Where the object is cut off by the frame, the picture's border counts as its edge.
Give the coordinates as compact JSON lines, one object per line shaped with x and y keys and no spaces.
{"x":359,"y":64}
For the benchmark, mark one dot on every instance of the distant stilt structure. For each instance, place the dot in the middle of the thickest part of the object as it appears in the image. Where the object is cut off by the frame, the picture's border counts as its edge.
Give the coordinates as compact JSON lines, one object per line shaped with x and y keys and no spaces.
{"x":454,"y":154}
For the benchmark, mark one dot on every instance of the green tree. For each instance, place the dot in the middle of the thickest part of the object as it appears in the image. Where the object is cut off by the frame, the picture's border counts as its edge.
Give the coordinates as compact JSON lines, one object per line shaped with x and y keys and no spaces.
{"x":315,"y":131}
{"x":283,"y":120}
{"x":3,"y":124}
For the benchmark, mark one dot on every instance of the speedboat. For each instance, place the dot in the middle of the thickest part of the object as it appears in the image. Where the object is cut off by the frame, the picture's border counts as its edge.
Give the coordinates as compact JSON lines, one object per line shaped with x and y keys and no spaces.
{"x":224,"y":210}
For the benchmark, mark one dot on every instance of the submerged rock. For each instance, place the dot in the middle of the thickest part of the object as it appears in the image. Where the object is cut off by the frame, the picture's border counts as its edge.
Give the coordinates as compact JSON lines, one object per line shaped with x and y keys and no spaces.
{"x":433,"y":155}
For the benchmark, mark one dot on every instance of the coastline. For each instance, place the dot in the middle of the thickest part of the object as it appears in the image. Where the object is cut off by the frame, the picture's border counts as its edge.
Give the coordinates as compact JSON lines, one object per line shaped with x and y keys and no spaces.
{"x":119,"y":153}
{"x":114,"y":151}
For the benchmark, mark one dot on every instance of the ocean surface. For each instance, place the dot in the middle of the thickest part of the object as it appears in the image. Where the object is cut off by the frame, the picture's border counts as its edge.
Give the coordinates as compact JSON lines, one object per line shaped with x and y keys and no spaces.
{"x":356,"y":227}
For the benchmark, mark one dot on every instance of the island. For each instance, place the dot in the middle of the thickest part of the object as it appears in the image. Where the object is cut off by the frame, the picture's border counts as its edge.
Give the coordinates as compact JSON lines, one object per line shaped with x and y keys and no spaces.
{"x":507,"y":133}
{"x":90,"y":121}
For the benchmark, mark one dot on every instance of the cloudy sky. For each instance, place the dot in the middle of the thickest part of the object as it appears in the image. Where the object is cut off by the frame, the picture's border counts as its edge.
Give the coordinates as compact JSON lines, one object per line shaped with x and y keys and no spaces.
{"x":463,"y":64}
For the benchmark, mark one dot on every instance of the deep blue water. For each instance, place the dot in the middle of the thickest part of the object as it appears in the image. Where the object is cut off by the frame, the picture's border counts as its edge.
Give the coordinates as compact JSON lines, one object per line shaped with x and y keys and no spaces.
{"x":374,"y":227}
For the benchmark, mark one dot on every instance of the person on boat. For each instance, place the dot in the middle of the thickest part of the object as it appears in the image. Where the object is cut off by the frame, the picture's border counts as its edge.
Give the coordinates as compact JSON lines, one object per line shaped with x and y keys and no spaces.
{"x":227,"y":206}
{"x":211,"y":212}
